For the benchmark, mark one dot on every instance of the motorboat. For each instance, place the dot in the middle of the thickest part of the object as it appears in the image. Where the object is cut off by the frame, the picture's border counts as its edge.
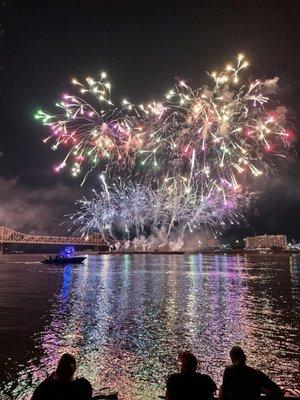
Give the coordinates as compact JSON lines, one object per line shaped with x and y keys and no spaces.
{"x":63,"y":260}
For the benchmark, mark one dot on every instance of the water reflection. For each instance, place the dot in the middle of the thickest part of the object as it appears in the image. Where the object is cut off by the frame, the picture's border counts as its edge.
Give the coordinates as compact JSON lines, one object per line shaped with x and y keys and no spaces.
{"x":66,"y":284}
{"x":125,"y":317}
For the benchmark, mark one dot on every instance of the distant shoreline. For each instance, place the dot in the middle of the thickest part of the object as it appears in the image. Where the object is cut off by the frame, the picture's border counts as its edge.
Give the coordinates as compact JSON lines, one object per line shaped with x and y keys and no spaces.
{"x":204,"y":252}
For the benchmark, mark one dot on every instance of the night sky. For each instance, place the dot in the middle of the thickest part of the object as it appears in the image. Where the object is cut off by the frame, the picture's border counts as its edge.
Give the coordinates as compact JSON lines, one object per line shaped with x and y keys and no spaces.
{"x":144,"y":46}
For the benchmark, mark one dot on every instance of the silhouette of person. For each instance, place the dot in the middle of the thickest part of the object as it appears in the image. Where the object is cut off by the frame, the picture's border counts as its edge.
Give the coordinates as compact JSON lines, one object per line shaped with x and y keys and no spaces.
{"x":61,"y":385}
{"x":243,"y":382}
{"x":189,"y":384}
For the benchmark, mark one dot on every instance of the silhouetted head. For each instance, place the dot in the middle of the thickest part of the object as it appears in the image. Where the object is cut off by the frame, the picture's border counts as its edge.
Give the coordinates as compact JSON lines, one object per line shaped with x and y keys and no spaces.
{"x":66,"y":368}
{"x":188,"y":362}
{"x":237,"y":355}
{"x":182,"y":354}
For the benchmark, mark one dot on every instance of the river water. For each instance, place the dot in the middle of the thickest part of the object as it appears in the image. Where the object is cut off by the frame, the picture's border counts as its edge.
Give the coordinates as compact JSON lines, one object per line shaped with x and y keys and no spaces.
{"x":125,"y":317}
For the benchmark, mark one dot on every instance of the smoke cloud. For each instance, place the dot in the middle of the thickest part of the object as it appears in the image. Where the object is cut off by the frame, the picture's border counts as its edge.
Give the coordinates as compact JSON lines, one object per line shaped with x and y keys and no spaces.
{"x":39,"y":211}
{"x":271,"y":84}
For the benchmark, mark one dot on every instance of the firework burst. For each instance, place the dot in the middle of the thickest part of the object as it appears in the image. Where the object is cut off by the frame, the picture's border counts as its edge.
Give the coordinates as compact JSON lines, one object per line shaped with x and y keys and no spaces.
{"x":189,"y":157}
{"x":131,"y":209}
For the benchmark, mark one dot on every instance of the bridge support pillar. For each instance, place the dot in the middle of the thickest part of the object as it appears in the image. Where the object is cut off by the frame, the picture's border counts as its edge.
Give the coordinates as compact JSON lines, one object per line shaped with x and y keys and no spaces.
{"x":1,"y":248}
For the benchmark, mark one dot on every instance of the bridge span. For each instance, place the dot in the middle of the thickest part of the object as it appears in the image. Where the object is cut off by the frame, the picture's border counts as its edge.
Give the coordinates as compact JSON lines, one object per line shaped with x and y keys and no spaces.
{"x":10,"y":236}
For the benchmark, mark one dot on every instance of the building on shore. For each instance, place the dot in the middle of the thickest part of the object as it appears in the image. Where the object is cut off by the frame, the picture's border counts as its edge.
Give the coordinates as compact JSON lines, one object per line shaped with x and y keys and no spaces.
{"x":266,"y":242}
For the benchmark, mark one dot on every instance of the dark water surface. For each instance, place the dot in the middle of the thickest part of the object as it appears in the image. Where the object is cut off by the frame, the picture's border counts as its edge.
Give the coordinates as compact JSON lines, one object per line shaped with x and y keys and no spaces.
{"x":125,"y":317}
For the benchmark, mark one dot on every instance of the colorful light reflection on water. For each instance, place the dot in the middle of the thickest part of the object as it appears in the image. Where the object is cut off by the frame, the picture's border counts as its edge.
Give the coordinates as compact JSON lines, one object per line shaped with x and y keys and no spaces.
{"x":125,"y":317}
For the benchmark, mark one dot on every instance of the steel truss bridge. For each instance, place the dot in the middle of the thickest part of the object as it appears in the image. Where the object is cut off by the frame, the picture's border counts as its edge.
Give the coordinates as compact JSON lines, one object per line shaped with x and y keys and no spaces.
{"x":9,"y":236}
